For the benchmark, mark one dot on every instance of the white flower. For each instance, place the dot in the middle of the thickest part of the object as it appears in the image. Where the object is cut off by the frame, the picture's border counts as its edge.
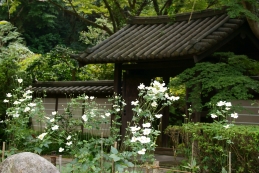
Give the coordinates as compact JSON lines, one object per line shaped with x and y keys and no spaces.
{"x":134,"y":129}
{"x":32,"y":104}
{"x":69,"y":137}
{"x":28,"y":97}
{"x":226,"y":126}
{"x":54,"y":113}
{"x":146,"y":125}
{"x":141,"y":86}
{"x":117,"y":110}
{"x":21,"y":100}
{"x":55,"y":127}
{"x":20,"y":80}
{"x":8,"y":95}
{"x":16,"y":115}
{"x":146,"y":131}
{"x":69,"y":143}
{"x":135,"y":103}
{"x":27,"y":109}
{"x":16,"y":102}
{"x":228,"y":104}
{"x":143,"y":151}
{"x":154,"y":104}
{"x":227,"y":108}
{"x":1,"y":121}
{"x":158,"y":115}
{"x":102,"y":116}
{"x":29,"y":92}
{"x":213,"y":115}
{"x":221,"y":103}
{"x":47,"y":117}
{"x":133,"y":139}
{"x":86,"y":97}
{"x":123,"y":103}
{"x":107,"y":114}
{"x":174,"y":98}
{"x":84,"y":117}
{"x":60,"y":149}
{"x":234,"y":115}
{"x":92,"y":97}
{"x":52,"y":120}
{"x":143,"y":139}
{"x":6,"y":101}
{"x":42,"y":136}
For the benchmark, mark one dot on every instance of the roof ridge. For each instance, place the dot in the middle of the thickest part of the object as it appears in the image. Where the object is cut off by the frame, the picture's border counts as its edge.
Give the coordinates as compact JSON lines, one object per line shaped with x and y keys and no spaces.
{"x":176,"y":18}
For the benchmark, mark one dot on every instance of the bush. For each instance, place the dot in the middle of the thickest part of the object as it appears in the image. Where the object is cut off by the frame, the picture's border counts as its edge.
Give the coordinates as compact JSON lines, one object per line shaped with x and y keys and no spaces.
{"x":212,"y":144}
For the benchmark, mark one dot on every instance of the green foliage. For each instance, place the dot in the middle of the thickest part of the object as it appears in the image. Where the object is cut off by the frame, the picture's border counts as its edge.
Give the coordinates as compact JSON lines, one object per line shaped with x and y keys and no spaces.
{"x":212,"y":145}
{"x":17,"y":122}
{"x":226,"y":80}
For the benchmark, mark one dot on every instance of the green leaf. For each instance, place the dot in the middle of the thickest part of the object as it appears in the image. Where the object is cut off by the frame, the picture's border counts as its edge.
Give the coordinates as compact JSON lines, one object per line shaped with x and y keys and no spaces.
{"x":114,"y":157}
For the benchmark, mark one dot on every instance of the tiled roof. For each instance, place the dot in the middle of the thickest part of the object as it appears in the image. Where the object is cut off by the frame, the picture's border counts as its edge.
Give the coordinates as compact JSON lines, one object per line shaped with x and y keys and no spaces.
{"x":163,"y":38}
{"x":74,"y":87}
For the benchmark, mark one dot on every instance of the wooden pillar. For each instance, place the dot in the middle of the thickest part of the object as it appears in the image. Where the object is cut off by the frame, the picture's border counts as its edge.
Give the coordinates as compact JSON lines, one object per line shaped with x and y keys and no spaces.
{"x":117,"y":78}
{"x":165,"y":119}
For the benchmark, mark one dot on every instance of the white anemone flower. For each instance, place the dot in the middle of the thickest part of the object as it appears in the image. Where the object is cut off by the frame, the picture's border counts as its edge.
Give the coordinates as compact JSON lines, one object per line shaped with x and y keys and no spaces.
{"x":107,"y":114}
{"x":41,"y":136}
{"x":27,"y":109}
{"x":144,"y":139}
{"x":52,"y":120}
{"x":221,"y":103}
{"x":143,"y":151}
{"x":146,"y":124}
{"x":92,"y":97}
{"x":226,"y":126}
{"x":54,"y":113}
{"x":153,"y":104}
{"x":69,"y":137}
{"x":16,"y":102}
{"x":16,"y":115}
{"x":60,"y":149}
{"x":32,"y":104}
{"x":228,"y":104}
{"x":6,"y":101}
{"x":158,"y":115}
{"x":133,"y":139}
{"x":55,"y":127}
{"x":135,"y":103}
{"x":84,"y":117}
{"x":146,"y":131}
{"x":213,"y":116}
{"x":20,"y":80}
{"x":234,"y":115}
{"x":69,"y":143}
{"x":134,"y":129}
{"x":8,"y":95}
{"x":141,"y":86}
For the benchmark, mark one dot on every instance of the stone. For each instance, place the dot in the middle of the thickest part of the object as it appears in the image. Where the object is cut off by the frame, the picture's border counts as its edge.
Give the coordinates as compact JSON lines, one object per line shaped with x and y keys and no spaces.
{"x":27,"y":162}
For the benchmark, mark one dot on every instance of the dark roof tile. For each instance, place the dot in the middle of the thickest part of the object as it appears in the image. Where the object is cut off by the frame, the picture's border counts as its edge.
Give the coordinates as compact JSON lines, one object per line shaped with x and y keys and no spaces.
{"x":159,"y":38}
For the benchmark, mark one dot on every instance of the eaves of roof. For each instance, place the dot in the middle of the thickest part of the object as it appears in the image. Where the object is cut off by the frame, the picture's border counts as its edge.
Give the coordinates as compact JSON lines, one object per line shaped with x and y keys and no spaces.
{"x":74,"y":87}
{"x":162,"y":38}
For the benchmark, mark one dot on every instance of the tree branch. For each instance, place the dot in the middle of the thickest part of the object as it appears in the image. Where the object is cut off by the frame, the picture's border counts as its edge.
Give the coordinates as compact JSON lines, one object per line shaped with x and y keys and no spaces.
{"x":111,"y":15}
{"x":89,"y":22}
{"x":142,"y":6}
{"x":156,"y":7}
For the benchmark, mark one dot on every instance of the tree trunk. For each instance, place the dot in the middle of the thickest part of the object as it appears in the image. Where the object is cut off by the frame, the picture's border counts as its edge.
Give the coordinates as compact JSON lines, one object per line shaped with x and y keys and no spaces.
{"x":254,"y":25}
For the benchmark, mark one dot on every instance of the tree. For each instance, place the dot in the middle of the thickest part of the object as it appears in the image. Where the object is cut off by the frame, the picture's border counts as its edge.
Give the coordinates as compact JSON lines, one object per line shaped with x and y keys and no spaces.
{"x":227,"y":80}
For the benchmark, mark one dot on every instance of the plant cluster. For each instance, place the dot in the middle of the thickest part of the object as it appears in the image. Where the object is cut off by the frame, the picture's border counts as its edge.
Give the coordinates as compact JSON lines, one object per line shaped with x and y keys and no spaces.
{"x":21,"y":108}
{"x":84,"y":138}
{"x":215,"y":146}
